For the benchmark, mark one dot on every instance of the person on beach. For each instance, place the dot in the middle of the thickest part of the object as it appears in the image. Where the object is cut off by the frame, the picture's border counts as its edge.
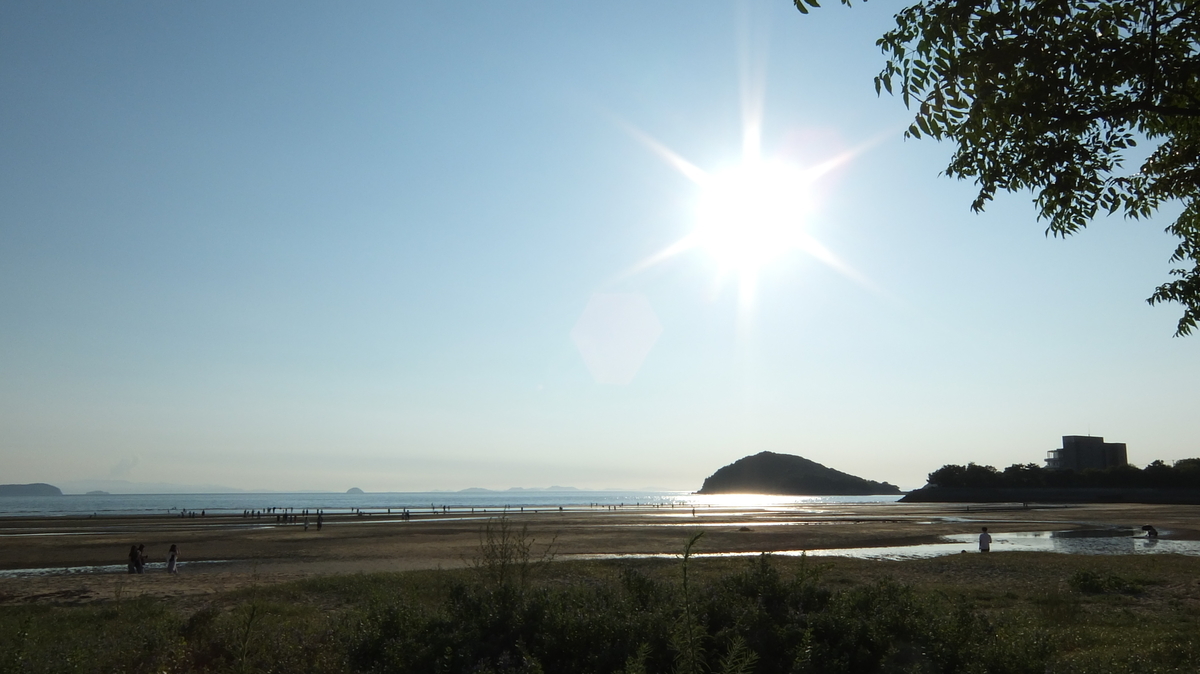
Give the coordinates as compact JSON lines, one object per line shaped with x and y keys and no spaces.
{"x":985,"y":541}
{"x":133,"y":559}
{"x":1151,"y":532}
{"x":173,"y":559}
{"x":138,"y":557}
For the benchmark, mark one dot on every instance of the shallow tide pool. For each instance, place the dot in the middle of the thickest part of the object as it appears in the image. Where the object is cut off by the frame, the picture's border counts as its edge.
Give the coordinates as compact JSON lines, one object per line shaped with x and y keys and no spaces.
{"x":1075,"y":542}
{"x":152,"y":568}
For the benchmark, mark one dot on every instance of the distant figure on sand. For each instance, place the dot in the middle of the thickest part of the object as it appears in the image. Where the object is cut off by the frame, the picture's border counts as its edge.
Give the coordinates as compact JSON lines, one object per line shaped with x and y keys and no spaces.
{"x":133,"y":559}
{"x":985,"y":541}
{"x":141,"y":561}
{"x":173,"y":559}
{"x":1151,"y":532}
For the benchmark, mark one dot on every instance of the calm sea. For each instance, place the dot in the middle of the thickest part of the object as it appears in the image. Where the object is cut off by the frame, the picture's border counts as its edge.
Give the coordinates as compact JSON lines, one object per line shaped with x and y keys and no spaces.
{"x":216,"y":504}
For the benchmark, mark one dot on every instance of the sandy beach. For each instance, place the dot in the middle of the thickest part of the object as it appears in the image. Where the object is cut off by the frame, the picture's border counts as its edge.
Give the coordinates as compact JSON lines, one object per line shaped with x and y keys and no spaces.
{"x":223,"y":553}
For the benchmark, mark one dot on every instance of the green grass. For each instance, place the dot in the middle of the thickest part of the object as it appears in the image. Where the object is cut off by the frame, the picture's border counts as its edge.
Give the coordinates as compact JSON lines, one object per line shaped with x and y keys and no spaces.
{"x":1005,"y":613}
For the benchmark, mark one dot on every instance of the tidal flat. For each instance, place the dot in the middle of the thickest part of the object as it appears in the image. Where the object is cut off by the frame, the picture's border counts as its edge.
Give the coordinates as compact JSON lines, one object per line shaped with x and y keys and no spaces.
{"x":83,"y":558}
{"x":519,"y":594}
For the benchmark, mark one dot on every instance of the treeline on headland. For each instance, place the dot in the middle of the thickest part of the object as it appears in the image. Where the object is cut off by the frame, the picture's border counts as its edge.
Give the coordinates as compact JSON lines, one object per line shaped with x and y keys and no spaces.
{"x":1183,"y":474}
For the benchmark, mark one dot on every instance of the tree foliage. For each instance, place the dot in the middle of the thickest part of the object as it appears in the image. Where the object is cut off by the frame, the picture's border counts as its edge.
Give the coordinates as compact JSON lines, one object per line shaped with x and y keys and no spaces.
{"x":1184,"y":474}
{"x":1049,"y":95}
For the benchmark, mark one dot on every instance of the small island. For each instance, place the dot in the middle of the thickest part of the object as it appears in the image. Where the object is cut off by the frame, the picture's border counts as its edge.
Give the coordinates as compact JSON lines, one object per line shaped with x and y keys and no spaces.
{"x":354,"y":490}
{"x":789,"y":475}
{"x":36,"y":489}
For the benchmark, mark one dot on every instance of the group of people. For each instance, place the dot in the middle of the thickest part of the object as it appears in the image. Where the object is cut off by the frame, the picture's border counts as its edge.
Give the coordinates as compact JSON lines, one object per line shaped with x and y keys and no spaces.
{"x":287,"y":516}
{"x":273,"y":510}
{"x":137,"y":559}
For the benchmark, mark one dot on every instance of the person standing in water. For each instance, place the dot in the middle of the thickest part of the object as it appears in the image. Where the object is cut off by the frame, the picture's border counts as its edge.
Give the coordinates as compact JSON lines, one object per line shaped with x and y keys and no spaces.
{"x":985,"y":541}
{"x":173,"y":559}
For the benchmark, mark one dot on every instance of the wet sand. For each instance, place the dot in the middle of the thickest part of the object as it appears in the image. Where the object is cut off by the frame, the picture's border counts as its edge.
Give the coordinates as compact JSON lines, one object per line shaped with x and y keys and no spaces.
{"x":237,"y":552}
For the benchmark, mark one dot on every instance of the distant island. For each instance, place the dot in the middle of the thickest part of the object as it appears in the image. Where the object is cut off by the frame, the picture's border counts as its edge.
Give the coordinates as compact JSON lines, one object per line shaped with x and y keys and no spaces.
{"x":97,"y":492}
{"x":354,"y":490}
{"x":36,"y":489}
{"x":786,"y":474}
{"x":554,"y":488}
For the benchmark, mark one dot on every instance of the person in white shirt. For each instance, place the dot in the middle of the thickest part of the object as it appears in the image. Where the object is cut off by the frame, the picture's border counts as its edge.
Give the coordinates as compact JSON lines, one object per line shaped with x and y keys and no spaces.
{"x":985,"y":541}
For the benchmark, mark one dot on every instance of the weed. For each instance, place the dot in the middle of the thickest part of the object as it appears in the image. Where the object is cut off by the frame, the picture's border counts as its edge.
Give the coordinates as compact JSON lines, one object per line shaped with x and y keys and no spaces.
{"x":252,"y":614}
{"x":686,"y":638}
{"x":636,"y":664}
{"x":1092,"y":582}
{"x":119,"y":587}
{"x":505,"y":555}
{"x":1057,"y":608}
{"x":738,"y":659}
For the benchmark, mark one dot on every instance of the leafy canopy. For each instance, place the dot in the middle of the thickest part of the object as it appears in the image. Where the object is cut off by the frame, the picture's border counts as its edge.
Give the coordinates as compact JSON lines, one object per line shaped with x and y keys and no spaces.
{"x":1184,"y":474}
{"x":1048,"y":95}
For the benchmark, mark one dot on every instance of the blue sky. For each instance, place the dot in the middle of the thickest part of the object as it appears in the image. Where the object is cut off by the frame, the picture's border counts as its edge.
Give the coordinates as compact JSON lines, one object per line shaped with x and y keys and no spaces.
{"x":315,"y":246}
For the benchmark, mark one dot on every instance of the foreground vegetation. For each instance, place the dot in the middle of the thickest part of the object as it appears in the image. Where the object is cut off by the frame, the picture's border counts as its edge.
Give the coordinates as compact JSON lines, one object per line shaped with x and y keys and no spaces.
{"x":515,"y":612}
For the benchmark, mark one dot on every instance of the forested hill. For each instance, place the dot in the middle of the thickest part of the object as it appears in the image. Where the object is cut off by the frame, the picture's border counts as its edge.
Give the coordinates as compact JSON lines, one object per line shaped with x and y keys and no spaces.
{"x":39,"y":489}
{"x":1184,"y":474}
{"x":1156,"y":483}
{"x":785,"y":474}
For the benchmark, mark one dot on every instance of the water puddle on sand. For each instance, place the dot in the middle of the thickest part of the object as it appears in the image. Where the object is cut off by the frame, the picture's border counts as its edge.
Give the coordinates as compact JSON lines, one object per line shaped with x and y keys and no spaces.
{"x":156,"y":568}
{"x":1076,"y":542}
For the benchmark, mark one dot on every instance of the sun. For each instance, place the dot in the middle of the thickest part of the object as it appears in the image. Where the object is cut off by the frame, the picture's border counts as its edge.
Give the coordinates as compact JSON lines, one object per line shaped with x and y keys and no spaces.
{"x":752,"y":214}
{"x":759,"y":211}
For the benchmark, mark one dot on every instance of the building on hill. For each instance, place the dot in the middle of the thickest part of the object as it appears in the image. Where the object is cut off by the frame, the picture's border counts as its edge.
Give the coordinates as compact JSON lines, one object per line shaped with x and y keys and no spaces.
{"x":1080,"y":452}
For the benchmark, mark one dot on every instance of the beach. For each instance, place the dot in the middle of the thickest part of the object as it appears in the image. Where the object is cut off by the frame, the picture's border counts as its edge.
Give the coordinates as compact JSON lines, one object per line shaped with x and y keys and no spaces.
{"x":221,"y":553}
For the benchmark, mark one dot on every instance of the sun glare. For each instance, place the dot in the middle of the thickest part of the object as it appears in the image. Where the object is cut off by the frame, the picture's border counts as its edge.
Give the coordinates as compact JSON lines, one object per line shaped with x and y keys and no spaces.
{"x":752,"y":214}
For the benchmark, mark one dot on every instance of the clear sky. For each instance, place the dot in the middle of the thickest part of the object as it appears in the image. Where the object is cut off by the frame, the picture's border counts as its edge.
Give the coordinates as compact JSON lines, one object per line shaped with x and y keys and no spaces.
{"x":320,"y":245}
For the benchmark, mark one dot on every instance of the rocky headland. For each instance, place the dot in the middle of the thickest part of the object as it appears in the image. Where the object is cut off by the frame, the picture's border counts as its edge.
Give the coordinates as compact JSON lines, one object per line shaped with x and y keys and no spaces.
{"x":789,"y":475}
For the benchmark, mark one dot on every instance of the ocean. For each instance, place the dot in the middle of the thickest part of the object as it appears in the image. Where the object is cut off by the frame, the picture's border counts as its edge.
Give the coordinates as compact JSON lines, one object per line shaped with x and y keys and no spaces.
{"x":108,"y":505}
